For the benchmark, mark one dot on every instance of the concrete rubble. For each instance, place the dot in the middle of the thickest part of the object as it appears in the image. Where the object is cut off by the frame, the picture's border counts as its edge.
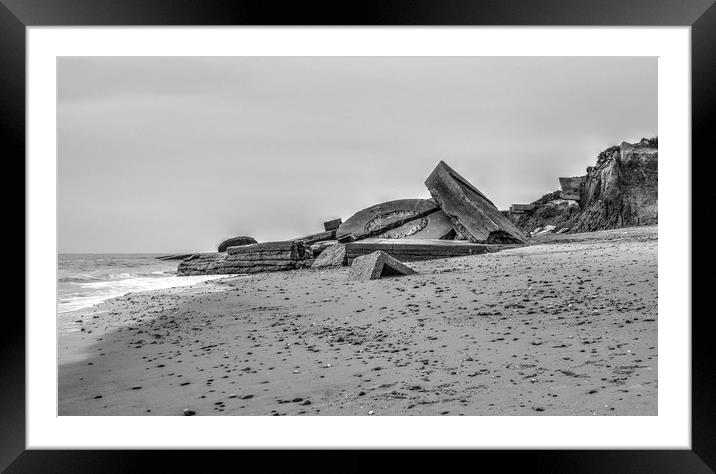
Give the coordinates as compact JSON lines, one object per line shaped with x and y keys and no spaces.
{"x":473,"y":215}
{"x":332,"y":256}
{"x":457,"y":220}
{"x":253,"y":258}
{"x":377,"y":265}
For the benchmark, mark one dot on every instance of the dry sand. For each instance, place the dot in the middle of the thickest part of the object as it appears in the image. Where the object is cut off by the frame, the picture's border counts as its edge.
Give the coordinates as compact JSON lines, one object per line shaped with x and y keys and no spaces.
{"x":564,"y":327}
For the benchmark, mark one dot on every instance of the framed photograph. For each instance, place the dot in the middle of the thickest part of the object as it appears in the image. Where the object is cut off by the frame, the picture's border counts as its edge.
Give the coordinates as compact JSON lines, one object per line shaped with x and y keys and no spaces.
{"x":396,"y":225}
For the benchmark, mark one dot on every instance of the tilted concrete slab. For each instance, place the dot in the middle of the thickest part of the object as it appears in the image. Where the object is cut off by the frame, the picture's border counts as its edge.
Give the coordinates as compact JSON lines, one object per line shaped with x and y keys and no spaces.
{"x":253,"y":258}
{"x":377,"y":265}
{"x":474,"y":217}
{"x":383,"y":217}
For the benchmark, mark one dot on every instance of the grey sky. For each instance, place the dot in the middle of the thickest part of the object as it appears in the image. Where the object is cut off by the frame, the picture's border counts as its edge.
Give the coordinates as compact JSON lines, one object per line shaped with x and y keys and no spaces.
{"x":176,"y":154}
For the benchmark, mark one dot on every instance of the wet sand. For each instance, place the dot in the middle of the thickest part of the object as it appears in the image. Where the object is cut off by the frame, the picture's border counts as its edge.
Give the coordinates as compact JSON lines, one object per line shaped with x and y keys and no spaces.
{"x":567,"y":326}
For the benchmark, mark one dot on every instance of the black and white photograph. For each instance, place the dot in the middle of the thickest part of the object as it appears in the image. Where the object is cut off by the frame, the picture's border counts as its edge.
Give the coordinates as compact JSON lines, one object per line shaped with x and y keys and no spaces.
{"x":357,"y":236}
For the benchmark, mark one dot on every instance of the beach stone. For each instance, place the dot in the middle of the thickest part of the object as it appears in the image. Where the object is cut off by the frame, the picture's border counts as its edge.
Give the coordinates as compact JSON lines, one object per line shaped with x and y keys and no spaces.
{"x":473,"y":216}
{"x":332,"y":256}
{"x":188,"y":412}
{"x":235,"y":241}
{"x":377,"y":265}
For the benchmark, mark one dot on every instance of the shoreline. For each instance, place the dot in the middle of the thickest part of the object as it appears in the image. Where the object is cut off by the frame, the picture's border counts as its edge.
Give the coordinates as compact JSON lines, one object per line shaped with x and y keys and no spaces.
{"x":564,"y":326}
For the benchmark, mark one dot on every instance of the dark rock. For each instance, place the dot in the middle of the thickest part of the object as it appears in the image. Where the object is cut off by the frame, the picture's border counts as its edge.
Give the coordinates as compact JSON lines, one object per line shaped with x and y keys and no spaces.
{"x":474,"y":217}
{"x":235,"y":241}
{"x":188,"y":412}
{"x":377,"y":265}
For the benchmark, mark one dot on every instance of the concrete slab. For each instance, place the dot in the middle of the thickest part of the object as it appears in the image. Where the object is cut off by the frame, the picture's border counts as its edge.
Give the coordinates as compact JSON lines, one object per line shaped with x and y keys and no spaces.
{"x":377,"y":265}
{"x":407,"y":250}
{"x":332,"y":225}
{"x":333,"y":256}
{"x":474,"y":217}
{"x":383,"y":217}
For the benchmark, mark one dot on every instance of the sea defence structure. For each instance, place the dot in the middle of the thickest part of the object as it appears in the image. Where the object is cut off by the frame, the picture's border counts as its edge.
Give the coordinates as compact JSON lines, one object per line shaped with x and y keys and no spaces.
{"x":458,"y":220}
{"x":474,"y":217}
{"x":253,"y":258}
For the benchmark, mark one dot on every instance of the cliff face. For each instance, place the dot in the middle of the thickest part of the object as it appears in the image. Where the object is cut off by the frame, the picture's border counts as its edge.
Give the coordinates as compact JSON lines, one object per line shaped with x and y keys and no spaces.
{"x":620,"y":190}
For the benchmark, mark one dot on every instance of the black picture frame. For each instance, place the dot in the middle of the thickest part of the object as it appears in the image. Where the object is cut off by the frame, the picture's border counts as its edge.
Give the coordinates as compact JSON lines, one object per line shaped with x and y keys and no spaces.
{"x":700,"y":15}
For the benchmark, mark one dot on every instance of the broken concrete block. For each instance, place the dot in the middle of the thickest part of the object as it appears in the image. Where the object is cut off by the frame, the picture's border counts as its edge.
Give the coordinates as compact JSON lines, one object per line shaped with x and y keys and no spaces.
{"x":332,"y":225}
{"x":474,"y":217}
{"x":234,"y":242}
{"x":383,"y":217}
{"x":296,"y":248}
{"x":332,"y":256}
{"x":252,"y":258}
{"x":377,"y":265}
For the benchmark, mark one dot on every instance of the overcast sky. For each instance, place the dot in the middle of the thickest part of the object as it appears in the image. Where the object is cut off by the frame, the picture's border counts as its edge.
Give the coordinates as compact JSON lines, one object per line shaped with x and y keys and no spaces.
{"x":177,"y":154}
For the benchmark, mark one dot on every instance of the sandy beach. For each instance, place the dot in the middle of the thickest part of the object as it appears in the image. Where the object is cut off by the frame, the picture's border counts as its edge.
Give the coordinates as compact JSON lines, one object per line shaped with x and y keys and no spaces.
{"x":567,"y":326}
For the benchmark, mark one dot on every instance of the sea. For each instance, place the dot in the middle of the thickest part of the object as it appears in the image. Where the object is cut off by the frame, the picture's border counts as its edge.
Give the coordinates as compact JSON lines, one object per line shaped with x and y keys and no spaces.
{"x":84,"y":280}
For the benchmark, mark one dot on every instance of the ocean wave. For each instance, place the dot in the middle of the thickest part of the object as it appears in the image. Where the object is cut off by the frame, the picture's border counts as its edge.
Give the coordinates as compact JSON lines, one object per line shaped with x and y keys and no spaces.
{"x":97,"y":291}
